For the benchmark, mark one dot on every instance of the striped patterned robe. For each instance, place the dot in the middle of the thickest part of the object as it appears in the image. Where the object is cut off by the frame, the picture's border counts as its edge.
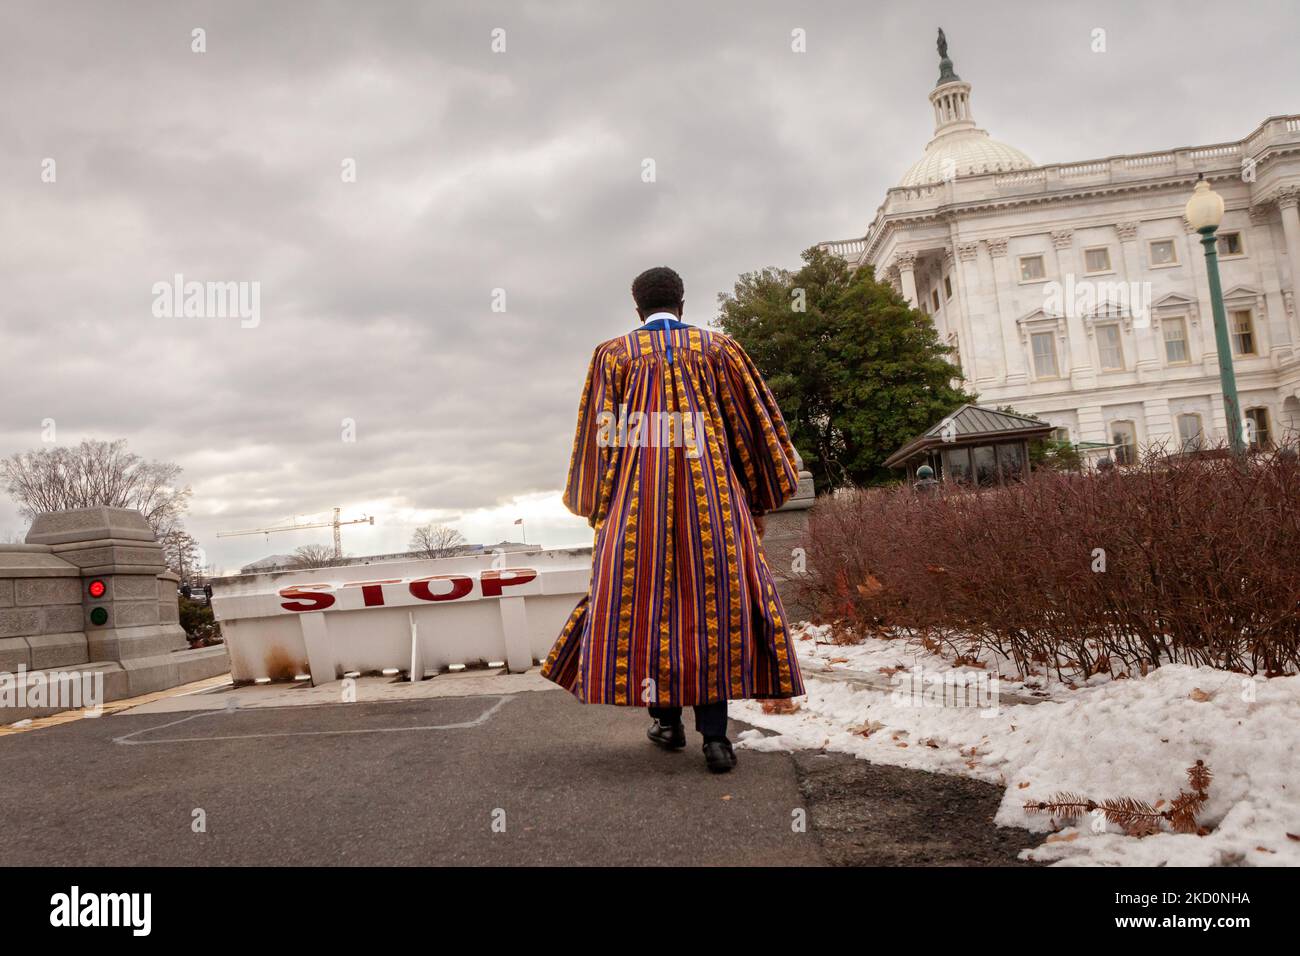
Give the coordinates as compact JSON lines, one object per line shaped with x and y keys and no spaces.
{"x":682,"y":608}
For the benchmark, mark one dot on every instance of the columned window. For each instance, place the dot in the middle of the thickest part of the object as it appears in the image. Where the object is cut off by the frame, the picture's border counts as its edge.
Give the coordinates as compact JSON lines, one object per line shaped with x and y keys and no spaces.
{"x":1175,"y":334}
{"x":1045,"y":363}
{"x":1243,"y":332}
{"x":1110,"y":351}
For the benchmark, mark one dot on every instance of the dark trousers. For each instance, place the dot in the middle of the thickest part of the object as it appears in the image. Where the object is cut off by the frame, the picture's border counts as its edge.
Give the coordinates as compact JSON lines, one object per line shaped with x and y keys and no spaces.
{"x":710,"y":719}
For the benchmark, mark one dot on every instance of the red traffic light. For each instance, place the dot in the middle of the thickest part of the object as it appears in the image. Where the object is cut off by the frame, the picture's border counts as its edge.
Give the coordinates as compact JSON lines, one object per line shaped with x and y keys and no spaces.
{"x":97,"y":588}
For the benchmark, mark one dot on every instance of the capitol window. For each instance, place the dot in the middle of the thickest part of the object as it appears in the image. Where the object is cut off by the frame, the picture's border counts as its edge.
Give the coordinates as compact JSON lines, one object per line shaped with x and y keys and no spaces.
{"x":1257,"y":428}
{"x":1230,"y":245}
{"x":1044,"y":346}
{"x":1189,"y":431}
{"x":947,"y":287}
{"x":1243,"y":332}
{"x":1175,"y":335}
{"x":1110,"y":351}
{"x":1096,"y":260}
{"x":1124,"y":437}
{"x":1032,"y":269}
{"x":1162,"y":253}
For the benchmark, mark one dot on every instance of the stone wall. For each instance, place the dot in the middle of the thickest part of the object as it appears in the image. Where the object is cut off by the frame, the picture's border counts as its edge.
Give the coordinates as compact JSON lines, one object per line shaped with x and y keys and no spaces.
{"x":130,"y":634}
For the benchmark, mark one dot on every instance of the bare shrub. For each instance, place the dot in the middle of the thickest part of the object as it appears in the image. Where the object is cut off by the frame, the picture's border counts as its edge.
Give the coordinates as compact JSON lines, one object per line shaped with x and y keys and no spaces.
{"x":1194,"y":559}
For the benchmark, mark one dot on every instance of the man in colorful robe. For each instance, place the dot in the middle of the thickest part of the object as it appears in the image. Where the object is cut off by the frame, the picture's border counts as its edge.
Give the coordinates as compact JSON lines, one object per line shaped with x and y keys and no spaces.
{"x":680,"y":449}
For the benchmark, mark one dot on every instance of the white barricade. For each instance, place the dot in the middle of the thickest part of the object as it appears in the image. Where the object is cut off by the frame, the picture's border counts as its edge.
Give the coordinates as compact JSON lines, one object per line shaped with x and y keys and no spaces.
{"x":413,"y":616}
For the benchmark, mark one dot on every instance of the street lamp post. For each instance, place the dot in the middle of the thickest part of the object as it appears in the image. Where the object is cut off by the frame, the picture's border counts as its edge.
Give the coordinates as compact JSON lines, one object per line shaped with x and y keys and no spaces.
{"x":1204,"y":213}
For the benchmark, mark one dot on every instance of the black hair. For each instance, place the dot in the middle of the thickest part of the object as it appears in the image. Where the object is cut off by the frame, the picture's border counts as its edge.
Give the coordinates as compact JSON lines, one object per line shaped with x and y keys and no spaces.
{"x":658,"y":288}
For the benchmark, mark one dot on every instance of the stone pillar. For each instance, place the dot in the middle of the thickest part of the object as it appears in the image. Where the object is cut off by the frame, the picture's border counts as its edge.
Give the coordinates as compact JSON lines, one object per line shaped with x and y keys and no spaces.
{"x":124,"y":624}
{"x":907,"y":276}
{"x":985,"y":345}
{"x":1159,"y":423}
{"x":1080,"y":370}
{"x":1092,"y":427}
{"x":1148,"y":362}
{"x":1012,"y":348}
{"x":1288,"y":204}
{"x":785,"y":543}
{"x":1282,"y":333}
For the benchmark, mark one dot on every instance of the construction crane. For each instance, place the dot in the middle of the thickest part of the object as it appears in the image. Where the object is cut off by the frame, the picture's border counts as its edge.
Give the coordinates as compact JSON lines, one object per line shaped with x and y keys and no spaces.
{"x":335,"y":524}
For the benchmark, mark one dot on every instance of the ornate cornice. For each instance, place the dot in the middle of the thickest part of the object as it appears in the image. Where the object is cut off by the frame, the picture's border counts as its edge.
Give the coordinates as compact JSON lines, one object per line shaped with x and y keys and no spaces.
{"x":967,"y":251}
{"x":997,"y":247}
{"x":880,"y":230}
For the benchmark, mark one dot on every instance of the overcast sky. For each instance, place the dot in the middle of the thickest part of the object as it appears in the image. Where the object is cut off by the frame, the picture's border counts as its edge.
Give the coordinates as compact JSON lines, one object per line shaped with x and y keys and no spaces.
{"x":479,"y":170}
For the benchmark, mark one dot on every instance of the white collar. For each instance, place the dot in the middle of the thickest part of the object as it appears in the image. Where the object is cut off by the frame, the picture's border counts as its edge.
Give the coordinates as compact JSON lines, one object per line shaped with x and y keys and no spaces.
{"x":662,"y":315}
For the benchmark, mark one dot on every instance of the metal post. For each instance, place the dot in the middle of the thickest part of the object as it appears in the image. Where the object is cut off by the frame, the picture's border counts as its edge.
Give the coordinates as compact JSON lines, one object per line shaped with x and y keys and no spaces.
{"x":1227,"y":377}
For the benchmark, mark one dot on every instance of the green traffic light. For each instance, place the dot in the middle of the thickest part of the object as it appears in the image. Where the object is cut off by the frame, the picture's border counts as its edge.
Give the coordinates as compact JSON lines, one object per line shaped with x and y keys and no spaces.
{"x":99,"y":615}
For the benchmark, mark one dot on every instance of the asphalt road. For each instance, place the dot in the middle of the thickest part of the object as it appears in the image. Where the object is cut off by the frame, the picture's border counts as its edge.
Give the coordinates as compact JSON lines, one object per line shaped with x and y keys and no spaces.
{"x":522,"y":779}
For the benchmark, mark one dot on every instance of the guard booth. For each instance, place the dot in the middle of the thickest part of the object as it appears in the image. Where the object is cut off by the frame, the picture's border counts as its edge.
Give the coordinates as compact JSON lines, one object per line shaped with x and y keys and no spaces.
{"x":975,"y":446}
{"x":418,"y":617}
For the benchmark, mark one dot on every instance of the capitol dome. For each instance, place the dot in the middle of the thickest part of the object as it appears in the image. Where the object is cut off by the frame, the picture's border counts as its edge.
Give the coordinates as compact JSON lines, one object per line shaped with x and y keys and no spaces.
{"x":959,"y":148}
{"x":969,"y":153}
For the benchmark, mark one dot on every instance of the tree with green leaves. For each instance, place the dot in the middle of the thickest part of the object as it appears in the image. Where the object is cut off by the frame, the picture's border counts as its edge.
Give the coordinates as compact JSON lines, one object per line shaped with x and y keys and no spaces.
{"x":857,"y":372}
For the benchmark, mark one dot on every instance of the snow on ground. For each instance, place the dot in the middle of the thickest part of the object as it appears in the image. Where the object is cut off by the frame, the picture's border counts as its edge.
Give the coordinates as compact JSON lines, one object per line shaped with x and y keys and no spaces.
{"x":1110,"y":738}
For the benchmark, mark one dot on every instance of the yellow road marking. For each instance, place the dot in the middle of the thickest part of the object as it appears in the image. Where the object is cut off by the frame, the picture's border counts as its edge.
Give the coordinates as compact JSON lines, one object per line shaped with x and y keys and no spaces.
{"x":80,"y":713}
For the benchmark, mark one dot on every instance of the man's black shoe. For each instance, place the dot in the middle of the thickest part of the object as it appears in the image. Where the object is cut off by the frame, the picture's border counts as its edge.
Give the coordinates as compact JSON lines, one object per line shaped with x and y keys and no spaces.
{"x":719,"y":755}
{"x":668,"y":736}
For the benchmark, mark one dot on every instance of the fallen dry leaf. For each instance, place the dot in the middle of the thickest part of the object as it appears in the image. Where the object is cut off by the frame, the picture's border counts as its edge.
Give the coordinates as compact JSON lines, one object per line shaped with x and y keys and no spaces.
{"x":1062,"y":838}
{"x":1200,"y":696}
{"x":872,"y":586}
{"x":1023,"y":785}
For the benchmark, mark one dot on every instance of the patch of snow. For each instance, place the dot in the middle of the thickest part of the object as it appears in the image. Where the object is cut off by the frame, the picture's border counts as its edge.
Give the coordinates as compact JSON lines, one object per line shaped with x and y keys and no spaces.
{"x":1106,"y":738}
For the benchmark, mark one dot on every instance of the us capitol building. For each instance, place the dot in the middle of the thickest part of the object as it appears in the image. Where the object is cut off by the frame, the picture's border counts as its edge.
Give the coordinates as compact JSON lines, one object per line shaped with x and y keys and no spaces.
{"x":1078,"y":293}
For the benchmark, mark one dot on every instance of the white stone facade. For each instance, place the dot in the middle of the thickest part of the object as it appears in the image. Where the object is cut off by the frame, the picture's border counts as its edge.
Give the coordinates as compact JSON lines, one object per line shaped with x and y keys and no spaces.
{"x":996,"y":255}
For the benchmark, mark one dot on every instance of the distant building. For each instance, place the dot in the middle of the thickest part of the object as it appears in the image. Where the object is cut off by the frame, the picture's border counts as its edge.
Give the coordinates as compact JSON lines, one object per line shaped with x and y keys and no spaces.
{"x":286,"y":562}
{"x":1077,"y":292}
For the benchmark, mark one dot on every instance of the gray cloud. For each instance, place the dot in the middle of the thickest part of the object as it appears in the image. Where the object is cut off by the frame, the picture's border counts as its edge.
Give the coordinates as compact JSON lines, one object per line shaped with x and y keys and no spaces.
{"x":477,"y":171}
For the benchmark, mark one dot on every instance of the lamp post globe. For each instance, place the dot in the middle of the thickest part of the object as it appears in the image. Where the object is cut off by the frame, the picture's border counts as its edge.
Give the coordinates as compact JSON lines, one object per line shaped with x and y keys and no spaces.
{"x":1205,"y":208}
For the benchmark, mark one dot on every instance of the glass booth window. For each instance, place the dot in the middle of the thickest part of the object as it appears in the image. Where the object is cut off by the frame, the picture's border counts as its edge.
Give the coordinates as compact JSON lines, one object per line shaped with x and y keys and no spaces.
{"x":986,"y":464}
{"x":956,"y":465}
{"x":1011,"y":462}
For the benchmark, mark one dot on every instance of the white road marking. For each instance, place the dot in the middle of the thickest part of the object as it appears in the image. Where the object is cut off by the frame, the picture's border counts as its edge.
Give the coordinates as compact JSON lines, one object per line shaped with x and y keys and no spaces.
{"x":127,"y":740}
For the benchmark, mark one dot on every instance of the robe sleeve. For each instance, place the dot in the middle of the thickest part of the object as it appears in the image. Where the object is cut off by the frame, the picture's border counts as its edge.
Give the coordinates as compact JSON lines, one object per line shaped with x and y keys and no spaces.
{"x":591,"y":466}
{"x":759,"y":441}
